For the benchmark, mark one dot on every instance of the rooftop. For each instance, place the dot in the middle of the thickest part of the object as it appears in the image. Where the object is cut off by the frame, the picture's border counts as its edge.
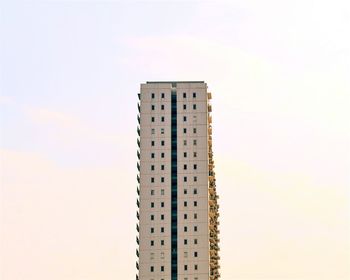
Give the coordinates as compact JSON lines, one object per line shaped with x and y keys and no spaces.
{"x":171,"y":82}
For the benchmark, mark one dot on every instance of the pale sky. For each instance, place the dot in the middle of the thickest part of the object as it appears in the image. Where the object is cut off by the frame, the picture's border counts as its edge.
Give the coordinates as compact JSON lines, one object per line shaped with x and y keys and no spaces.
{"x":70,"y":72}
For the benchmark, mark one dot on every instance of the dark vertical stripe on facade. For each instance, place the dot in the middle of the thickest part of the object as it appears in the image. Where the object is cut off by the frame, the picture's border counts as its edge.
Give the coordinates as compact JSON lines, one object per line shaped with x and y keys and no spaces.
{"x":173,"y":183}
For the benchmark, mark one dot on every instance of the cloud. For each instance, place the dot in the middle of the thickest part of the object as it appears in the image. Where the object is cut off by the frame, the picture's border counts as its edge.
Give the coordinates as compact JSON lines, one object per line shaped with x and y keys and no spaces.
{"x":68,"y":129}
{"x":245,"y":80}
{"x":64,"y":223}
{"x":46,"y":116}
{"x":284,"y":225}
{"x":5,"y":100}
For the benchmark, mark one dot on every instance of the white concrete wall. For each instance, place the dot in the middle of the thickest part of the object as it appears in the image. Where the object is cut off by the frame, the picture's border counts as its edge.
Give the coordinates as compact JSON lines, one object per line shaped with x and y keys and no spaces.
{"x":196,"y":118}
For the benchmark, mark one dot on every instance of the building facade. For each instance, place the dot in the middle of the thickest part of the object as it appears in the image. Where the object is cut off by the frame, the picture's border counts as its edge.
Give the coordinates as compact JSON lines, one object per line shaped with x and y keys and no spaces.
{"x":177,"y":201}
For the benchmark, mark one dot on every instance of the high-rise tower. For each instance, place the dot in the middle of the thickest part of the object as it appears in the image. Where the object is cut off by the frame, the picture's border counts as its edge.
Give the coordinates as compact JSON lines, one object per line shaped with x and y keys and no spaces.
{"x":177,"y":203}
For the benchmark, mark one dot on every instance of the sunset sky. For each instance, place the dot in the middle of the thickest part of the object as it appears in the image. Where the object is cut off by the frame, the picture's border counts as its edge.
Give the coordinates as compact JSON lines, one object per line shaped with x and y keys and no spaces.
{"x":70,"y":72}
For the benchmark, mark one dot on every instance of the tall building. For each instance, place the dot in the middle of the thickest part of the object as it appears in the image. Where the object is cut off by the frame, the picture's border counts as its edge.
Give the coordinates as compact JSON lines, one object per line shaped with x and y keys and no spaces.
{"x":177,"y":201}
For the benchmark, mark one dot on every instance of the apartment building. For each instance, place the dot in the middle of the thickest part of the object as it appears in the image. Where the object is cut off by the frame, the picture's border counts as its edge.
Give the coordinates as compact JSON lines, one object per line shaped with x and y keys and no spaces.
{"x":177,"y":228}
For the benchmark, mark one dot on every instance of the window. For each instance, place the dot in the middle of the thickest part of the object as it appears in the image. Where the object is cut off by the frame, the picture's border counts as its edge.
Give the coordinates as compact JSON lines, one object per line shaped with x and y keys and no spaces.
{"x":185,"y":229}
{"x":152,"y":192}
{"x":162,"y":204}
{"x":195,"y":166}
{"x":162,"y":119}
{"x":185,"y":130}
{"x":185,"y":216}
{"x":185,"y":142}
{"x":195,"y":179}
{"x":185,"y":203}
{"x":162,"y":155}
{"x":152,"y":179}
{"x":195,"y":215}
{"x":194,"y":154}
{"x":195,"y":228}
{"x":152,"y":230}
{"x":195,"y":241}
{"x":162,"y":242}
{"x":194,"y":142}
{"x":184,"y":106}
{"x":152,"y":155}
{"x":185,"y":191}
{"x":185,"y":118}
{"x":185,"y":166}
{"x":162,"y":255}
{"x":162,"y":268}
{"x":195,"y":254}
{"x":185,"y":241}
{"x":195,"y":203}
{"x":162,"y":142}
{"x":162,"y":107}
{"x":194,"y":130}
{"x":194,"y":106}
{"x":152,"y":217}
{"x":184,"y":95}
{"x":162,"y":167}
{"x":194,"y":191}
{"x":152,"y":256}
{"x":152,"y":268}
{"x":185,"y":154}
{"x":152,"y":119}
{"x":196,"y":267}
{"x":162,"y":130}
{"x":162,"y":229}
{"x":152,"y":204}
{"x":153,"y":95}
{"x":162,"y":191}
{"x":163,"y":95}
{"x":152,"y":242}
{"x":153,"y":131}
{"x":185,"y":254}
{"x":194,"y":95}
{"x":185,"y":267}
{"x":162,"y":179}
{"x":152,"y":167}
{"x":185,"y":179}
{"x":152,"y":143}
{"x":162,"y":217}
{"x":153,"y":107}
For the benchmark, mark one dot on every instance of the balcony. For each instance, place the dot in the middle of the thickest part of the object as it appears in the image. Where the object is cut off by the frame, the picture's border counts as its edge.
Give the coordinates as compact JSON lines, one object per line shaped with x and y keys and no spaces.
{"x":138,"y":215}
{"x":137,"y":241}
{"x":138,"y":166}
{"x":138,"y":130}
{"x":138,"y":154}
{"x":137,"y":228}
{"x":138,"y":142}
{"x":138,"y":107}
{"x":139,"y":96}
{"x":209,"y":95}
{"x":137,"y":265}
{"x":138,"y":119}
{"x":137,"y":253}
{"x":138,"y":190}
{"x":209,"y":107}
{"x":138,"y":203}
